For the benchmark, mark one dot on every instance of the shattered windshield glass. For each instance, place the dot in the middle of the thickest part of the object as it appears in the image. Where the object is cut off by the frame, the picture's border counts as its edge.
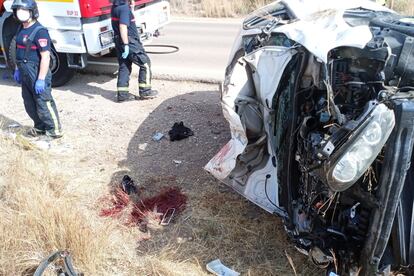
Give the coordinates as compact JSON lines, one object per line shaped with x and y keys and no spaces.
{"x":265,"y":15}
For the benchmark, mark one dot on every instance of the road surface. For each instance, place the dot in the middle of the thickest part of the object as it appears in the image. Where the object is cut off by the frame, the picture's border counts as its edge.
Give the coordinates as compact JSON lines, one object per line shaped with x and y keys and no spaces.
{"x":204,"y":45}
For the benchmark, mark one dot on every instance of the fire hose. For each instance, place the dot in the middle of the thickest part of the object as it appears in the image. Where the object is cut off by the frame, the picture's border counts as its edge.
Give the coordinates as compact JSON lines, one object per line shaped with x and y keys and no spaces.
{"x":163,"y":49}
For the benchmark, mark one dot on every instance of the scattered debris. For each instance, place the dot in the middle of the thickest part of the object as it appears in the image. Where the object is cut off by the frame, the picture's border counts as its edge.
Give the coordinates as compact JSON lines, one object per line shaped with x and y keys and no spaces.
{"x":216,"y":131}
{"x":143,"y":146}
{"x":128,"y":185}
{"x":180,"y":132}
{"x":143,"y":227}
{"x":139,"y":212}
{"x":168,"y":216}
{"x":178,"y":162}
{"x":218,"y":268}
{"x":290,"y":260}
{"x":67,"y":268}
{"x":15,"y":125}
{"x":168,"y":198}
{"x":157,"y":136}
{"x":42,"y":144}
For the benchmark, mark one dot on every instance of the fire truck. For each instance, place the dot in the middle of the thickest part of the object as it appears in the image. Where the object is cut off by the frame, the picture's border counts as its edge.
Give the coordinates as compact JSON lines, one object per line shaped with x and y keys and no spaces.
{"x":79,"y":29}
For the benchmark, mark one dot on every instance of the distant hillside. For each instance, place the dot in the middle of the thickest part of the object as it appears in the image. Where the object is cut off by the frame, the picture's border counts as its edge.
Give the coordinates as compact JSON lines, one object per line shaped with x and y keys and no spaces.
{"x":237,"y":8}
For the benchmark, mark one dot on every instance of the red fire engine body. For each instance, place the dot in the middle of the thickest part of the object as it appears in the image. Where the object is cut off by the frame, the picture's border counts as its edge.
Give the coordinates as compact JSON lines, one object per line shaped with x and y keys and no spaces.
{"x":79,"y":29}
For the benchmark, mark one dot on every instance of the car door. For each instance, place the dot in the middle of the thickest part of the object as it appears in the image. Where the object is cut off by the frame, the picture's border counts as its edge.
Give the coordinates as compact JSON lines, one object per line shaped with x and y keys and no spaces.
{"x":247,"y":163}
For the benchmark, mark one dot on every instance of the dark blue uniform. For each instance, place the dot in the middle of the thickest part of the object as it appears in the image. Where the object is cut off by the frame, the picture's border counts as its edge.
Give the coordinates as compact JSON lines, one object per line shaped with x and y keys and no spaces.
{"x":121,"y":14}
{"x":41,"y":108}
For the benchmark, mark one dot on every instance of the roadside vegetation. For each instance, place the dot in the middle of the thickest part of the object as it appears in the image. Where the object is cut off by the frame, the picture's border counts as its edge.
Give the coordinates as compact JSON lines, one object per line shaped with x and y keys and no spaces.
{"x":238,"y":8}
{"x":216,"y":8}
{"x":40,"y":215}
{"x":43,"y":210}
{"x":403,"y":6}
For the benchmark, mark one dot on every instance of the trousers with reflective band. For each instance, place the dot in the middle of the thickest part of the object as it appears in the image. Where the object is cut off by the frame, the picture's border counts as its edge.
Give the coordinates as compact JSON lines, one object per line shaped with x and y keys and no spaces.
{"x":40,"y":108}
{"x":139,"y":58}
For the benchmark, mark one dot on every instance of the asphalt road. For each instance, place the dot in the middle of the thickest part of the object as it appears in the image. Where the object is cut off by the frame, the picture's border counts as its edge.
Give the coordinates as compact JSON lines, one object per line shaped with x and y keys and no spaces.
{"x":204,"y":45}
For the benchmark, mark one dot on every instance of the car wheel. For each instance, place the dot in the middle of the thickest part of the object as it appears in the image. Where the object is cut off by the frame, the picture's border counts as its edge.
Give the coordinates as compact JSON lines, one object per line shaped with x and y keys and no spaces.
{"x":61,"y":73}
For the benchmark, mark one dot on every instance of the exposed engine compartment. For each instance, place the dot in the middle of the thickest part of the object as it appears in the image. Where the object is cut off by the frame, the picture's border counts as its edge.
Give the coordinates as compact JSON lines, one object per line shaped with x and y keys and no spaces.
{"x":318,"y":209}
{"x":332,"y":225}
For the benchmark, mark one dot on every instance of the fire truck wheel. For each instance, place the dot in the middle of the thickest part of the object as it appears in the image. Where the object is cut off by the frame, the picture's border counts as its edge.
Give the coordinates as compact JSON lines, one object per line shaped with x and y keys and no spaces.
{"x":61,"y":73}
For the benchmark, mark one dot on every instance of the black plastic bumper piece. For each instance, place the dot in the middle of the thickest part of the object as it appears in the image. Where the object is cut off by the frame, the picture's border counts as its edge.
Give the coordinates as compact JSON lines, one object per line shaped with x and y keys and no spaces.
{"x":397,"y":162}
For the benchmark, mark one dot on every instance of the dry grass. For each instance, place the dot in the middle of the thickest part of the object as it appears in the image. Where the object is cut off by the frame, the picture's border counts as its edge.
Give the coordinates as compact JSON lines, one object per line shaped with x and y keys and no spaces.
{"x":225,"y":8}
{"x":39,"y":216}
{"x":403,"y":6}
{"x":237,"y":8}
{"x":216,"y":8}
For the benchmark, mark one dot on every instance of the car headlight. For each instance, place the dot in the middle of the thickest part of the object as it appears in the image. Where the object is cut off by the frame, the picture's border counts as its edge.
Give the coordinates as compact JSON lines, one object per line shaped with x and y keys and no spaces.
{"x":366,"y":146}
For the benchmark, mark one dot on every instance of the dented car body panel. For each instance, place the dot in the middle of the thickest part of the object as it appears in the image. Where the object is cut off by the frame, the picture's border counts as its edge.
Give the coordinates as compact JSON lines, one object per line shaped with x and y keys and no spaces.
{"x":319,"y":98}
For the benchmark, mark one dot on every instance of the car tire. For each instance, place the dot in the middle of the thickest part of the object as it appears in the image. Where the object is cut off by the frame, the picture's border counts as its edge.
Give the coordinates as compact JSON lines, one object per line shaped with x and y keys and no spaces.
{"x":61,"y":73}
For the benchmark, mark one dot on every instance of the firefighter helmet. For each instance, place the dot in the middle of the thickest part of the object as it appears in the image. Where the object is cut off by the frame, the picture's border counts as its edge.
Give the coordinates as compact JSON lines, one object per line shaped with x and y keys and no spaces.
{"x":26,"y":5}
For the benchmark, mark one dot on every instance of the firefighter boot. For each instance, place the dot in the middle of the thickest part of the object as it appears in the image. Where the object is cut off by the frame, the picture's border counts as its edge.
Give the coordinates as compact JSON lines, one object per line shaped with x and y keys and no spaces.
{"x":35,"y":132}
{"x":54,"y":134}
{"x":125,"y":97}
{"x":148,"y":94}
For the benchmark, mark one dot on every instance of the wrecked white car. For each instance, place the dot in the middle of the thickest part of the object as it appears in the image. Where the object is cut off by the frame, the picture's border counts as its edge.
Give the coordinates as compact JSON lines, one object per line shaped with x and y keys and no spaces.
{"x":320,"y":100}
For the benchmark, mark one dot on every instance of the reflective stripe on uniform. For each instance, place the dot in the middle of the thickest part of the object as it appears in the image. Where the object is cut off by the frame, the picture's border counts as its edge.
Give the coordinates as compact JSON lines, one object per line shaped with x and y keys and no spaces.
{"x":148,"y":75}
{"x":144,"y":85}
{"x":123,"y":89}
{"x":34,"y":47}
{"x":54,"y":117}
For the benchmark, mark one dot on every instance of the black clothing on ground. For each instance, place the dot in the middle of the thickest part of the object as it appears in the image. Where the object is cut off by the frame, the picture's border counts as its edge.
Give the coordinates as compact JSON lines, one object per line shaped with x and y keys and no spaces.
{"x":180,"y":132}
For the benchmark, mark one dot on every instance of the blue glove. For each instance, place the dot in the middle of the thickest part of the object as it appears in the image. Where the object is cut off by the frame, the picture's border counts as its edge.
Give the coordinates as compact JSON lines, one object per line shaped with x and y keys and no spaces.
{"x":125,"y":54}
{"x":16,"y":76}
{"x":40,"y":86}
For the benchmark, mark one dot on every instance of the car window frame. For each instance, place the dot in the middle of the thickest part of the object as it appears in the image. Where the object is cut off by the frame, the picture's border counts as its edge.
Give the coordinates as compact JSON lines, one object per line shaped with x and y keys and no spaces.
{"x":249,"y":23}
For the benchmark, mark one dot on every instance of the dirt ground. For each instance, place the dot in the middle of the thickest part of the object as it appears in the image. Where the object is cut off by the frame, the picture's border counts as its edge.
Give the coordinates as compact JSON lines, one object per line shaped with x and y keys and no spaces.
{"x":105,"y":140}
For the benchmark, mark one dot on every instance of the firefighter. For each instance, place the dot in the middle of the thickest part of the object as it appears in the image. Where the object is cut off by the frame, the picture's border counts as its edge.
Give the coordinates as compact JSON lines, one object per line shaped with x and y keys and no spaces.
{"x":130,"y":50}
{"x":32,"y":70}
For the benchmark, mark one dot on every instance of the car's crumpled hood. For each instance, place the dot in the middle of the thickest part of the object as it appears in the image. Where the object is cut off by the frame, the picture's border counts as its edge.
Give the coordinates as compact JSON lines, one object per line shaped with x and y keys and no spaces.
{"x":320,"y":26}
{"x":325,"y":28}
